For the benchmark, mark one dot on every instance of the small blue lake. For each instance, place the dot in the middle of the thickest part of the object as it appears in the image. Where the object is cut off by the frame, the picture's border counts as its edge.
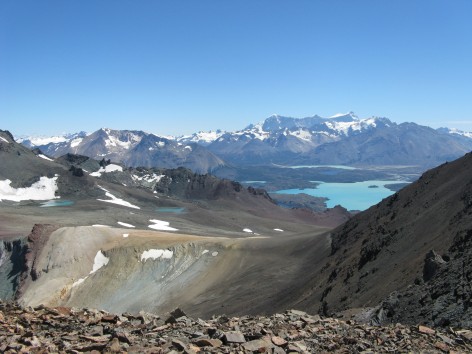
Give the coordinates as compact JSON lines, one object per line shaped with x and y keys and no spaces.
{"x":56,"y":203}
{"x":340,"y":167}
{"x":352,"y":196}
{"x":174,"y":210}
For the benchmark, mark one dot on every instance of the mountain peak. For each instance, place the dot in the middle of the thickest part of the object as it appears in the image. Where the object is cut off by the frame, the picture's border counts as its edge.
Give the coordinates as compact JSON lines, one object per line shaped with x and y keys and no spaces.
{"x":350,"y":113}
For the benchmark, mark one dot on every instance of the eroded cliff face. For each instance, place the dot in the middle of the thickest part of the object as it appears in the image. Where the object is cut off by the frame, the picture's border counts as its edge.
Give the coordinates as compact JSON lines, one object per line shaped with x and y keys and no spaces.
{"x":12,"y":265}
{"x":132,"y":270}
{"x":18,"y":258}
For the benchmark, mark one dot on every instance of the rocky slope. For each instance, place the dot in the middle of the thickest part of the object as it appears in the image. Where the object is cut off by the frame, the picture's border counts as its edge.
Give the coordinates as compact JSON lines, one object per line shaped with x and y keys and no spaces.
{"x":63,"y":329}
{"x":407,"y":258}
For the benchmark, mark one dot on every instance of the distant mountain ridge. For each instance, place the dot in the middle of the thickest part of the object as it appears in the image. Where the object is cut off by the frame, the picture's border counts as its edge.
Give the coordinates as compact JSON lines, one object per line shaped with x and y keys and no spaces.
{"x":342,"y":139}
{"x":133,"y":148}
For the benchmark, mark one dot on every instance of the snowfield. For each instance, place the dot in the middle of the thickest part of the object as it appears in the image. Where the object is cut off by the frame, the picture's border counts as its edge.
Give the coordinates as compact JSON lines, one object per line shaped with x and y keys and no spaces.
{"x":45,"y":157}
{"x":161,"y":225}
{"x":148,"y":178}
{"x":115,"y":200}
{"x":125,"y":224}
{"x":100,"y":261}
{"x":156,"y":253}
{"x":44,"y":189}
{"x":109,"y":168}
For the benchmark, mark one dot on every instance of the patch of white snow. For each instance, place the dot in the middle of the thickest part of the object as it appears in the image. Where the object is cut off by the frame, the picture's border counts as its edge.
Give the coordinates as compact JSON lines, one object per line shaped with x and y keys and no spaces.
{"x":44,"y":189}
{"x":156,"y":253}
{"x":107,"y":169}
{"x":125,"y":224}
{"x":78,"y":282}
{"x":99,"y":261}
{"x":161,"y":225}
{"x":115,"y":200}
{"x":75,"y":142}
{"x":247,"y":230}
{"x":45,"y":157}
{"x":339,"y":115}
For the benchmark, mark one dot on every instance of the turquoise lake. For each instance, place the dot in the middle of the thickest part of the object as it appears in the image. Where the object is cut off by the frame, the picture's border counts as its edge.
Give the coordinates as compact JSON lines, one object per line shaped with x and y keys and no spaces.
{"x":352,"y":196}
{"x":174,"y":210}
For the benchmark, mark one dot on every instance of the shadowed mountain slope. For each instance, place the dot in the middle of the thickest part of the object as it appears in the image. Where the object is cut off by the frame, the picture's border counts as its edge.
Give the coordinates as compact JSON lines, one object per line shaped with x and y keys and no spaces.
{"x":412,"y":250}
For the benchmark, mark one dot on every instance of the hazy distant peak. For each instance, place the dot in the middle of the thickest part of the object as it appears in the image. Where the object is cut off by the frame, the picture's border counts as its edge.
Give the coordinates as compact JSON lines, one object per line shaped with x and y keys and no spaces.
{"x":32,"y":141}
{"x":454,"y":131}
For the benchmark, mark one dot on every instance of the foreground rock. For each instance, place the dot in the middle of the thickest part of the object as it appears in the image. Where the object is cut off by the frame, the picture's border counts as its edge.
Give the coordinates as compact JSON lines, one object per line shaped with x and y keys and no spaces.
{"x":62,"y":329}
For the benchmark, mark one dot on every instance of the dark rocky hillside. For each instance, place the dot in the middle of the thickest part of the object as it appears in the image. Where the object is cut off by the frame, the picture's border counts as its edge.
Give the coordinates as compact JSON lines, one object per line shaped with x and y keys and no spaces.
{"x":409,"y":258}
{"x":184,"y":183}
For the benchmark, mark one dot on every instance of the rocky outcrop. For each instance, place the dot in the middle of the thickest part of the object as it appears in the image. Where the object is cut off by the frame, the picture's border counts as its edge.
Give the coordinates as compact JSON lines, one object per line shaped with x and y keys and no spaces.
{"x":36,"y":241}
{"x":443,"y":296}
{"x":183,"y":183}
{"x":76,"y":171}
{"x":44,"y":329}
{"x":432,"y":264}
{"x":12,"y":265}
{"x":7,"y":133}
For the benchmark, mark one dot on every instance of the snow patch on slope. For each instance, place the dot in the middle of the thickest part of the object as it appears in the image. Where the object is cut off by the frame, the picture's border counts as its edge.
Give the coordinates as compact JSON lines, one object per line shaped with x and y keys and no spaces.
{"x":115,"y":200}
{"x":201,"y":137}
{"x":100,"y":261}
{"x":44,"y":189}
{"x":161,"y":225}
{"x":76,"y":142}
{"x":148,"y":178}
{"x":125,"y":224}
{"x":156,"y":254}
{"x":107,"y":169}
{"x":45,"y":157}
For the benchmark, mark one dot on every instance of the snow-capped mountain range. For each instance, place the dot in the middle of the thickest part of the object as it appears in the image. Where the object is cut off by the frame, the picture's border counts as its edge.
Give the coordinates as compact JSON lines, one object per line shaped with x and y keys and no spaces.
{"x":340,"y":139}
{"x":133,"y":148}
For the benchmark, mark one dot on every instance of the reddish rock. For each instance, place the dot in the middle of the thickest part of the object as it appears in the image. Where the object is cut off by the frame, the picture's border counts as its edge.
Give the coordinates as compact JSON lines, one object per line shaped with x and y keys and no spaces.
{"x":426,"y":330}
{"x":279,"y":341}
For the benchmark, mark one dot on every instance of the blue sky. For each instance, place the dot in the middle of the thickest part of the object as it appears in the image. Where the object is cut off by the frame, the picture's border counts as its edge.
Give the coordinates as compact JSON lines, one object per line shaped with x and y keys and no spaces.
{"x":175,"y":67}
